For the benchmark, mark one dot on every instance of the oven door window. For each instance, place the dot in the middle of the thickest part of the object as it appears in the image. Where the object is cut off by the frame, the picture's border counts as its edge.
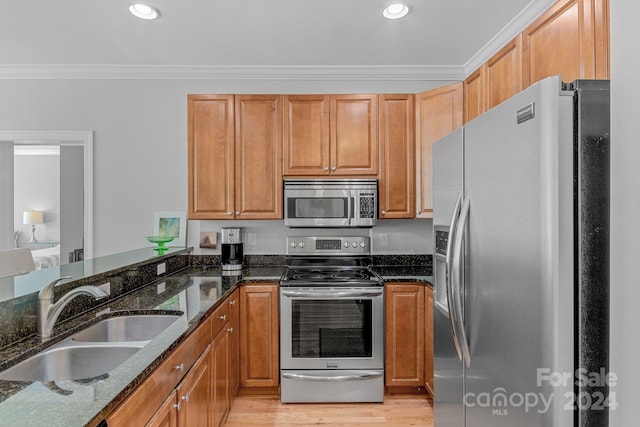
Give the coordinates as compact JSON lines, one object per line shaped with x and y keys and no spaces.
{"x":331,"y":328}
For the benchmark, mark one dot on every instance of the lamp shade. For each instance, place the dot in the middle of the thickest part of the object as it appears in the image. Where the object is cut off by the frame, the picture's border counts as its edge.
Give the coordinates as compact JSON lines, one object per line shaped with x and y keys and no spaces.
{"x":32,"y":217}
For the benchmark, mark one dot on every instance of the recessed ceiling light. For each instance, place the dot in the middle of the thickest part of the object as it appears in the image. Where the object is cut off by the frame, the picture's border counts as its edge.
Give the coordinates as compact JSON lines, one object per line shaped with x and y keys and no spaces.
{"x":395,"y":11}
{"x":144,"y":11}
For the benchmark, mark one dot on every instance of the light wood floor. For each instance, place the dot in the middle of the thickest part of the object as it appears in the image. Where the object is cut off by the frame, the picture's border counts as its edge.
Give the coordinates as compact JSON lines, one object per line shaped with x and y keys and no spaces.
{"x":396,"y":411}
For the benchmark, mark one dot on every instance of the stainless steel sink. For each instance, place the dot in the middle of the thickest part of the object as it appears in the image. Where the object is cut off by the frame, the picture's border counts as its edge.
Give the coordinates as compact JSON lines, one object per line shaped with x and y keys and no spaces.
{"x":70,"y":362}
{"x":126,"y":328}
{"x":91,"y":352}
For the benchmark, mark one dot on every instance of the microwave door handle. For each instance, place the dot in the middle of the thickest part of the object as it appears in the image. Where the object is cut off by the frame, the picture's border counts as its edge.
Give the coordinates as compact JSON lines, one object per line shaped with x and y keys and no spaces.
{"x":350,"y":219}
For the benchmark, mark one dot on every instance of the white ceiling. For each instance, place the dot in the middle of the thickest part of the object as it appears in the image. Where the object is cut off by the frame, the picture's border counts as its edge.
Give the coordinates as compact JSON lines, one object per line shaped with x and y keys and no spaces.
{"x":439,"y":38}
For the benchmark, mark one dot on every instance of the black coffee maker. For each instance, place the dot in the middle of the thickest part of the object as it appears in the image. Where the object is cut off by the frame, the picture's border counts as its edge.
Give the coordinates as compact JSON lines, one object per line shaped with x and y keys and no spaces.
{"x":232,"y":252}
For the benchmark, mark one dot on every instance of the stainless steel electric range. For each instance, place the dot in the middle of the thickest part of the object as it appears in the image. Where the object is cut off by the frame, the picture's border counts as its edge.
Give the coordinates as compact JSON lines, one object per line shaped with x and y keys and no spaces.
{"x":331,"y":322}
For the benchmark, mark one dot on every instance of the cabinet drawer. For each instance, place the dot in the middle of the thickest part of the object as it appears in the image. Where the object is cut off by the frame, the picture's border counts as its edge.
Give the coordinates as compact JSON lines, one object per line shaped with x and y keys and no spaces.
{"x":219,"y":318}
{"x":140,"y":406}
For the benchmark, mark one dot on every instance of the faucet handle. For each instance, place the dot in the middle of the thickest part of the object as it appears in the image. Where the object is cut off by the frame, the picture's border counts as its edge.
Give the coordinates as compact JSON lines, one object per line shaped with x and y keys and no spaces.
{"x":47,"y":291}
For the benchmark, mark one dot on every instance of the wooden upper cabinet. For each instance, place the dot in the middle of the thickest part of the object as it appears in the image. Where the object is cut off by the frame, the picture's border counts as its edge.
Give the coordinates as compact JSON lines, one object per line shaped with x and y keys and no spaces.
{"x":438,"y":113}
{"x":354,"y":134}
{"x":570,"y":39}
{"x":258,"y":157}
{"x":235,"y":156}
{"x":330,"y":135}
{"x":474,"y":96}
{"x":211,"y":156}
{"x":397,"y":152}
{"x":504,"y":73}
{"x":306,"y":135}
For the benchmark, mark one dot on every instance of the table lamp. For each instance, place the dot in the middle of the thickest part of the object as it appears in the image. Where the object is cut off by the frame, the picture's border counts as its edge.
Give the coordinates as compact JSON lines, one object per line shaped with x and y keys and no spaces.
{"x":32,"y":218}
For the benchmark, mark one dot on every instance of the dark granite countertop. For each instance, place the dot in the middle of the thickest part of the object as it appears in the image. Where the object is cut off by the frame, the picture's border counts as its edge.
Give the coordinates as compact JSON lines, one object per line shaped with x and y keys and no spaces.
{"x":193,"y":293}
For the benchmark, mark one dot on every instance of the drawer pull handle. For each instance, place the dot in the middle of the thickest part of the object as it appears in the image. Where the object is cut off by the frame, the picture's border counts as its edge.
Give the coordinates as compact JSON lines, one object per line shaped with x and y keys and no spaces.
{"x":178,"y":406}
{"x":180,"y":367}
{"x":223,"y":317}
{"x":230,"y":330}
{"x":185,"y":397}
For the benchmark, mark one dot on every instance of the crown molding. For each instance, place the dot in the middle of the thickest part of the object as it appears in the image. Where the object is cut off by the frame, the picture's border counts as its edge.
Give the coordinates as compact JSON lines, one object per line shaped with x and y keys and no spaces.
{"x":529,"y":14}
{"x":245,"y":72}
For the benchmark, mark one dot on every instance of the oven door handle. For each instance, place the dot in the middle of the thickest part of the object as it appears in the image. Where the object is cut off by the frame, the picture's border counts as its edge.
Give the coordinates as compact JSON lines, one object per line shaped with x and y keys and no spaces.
{"x":359,"y":293}
{"x":336,"y":378}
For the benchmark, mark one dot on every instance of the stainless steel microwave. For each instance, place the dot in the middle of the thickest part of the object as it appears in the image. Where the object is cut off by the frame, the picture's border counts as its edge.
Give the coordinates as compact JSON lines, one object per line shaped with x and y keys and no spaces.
{"x":330,"y":202}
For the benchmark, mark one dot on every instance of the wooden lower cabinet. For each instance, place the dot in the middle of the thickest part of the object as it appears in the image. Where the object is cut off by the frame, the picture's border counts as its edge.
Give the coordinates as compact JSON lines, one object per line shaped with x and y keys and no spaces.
{"x":234,"y":344}
{"x":428,"y":339}
{"x":404,"y":345}
{"x":193,"y":394}
{"x":167,"y":415}
{"x":259,"y":336}
{"x":220,"y":400}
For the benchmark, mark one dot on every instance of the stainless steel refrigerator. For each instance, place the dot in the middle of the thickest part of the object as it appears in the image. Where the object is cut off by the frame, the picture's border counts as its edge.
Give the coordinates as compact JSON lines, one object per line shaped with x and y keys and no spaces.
{"x":521,"y":262}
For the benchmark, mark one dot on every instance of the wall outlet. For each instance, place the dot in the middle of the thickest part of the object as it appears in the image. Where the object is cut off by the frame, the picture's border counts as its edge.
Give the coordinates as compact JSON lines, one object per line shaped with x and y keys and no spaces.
{"x":252,"y":239}
{"x":384,"y":239}
{"x":106,"y":287}
{"x":161,"y":287}
{"x":162,"y":268}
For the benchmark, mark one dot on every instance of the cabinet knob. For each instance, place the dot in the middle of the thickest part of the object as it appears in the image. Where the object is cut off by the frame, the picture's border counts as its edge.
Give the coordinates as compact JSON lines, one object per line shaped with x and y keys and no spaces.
{"x":232,"y":302}
{"x":185,"y":397}
{"x":229,"y":213}
{"x":333,"y":168}
{"x":237,"y":212}
{"x":383,"y":212}
{"x":180,"y":367}
{"x":326,"y":168}
{"x":223,"y":317}
{"x":417,"y":212}
{"x":230,"y":330}
{"x":178,"y":406}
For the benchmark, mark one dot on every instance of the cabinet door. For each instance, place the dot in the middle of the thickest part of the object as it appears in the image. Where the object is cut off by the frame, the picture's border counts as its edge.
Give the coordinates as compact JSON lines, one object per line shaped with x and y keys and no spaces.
{"x":194,"y":396}
{"x":354,"y":134}
{"x":259,"y":336}
{"x":438,"y":113}
{"x":211,"y":156}
{"x":306,"y":135}
{"x":504,"y":73}
{"x":404,"y":345}
{"x":258,"y":157}
{"x":397,"y":156}
{"x":234,"y":344}
{"x":167,"y":414}
{"x":220,"y":378}
{"x":474,"y":96}
{"x":428,"y":339}
{"x":570,"y":39}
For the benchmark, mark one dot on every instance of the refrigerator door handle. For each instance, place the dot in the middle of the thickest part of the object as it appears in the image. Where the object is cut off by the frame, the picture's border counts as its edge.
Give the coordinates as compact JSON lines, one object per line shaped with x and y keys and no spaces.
{"x":456,"y":269}
{"x":451,"y":313}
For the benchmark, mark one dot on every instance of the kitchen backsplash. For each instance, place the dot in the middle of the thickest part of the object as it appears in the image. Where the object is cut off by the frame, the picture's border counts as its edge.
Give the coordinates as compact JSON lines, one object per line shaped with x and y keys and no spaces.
{"x":263,"y":237}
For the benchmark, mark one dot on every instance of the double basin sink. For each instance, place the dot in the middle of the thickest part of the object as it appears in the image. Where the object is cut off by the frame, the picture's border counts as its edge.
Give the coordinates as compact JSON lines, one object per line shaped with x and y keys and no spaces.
{"x":93,"y":351}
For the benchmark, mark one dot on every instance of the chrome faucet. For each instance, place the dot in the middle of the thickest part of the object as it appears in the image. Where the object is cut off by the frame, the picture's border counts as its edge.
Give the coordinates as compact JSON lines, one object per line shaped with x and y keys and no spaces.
{"x":48,"y":312}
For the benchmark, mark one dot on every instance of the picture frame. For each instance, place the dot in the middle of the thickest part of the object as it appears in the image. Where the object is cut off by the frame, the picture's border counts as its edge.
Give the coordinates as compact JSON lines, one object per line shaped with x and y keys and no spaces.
{"x":171,"y":223}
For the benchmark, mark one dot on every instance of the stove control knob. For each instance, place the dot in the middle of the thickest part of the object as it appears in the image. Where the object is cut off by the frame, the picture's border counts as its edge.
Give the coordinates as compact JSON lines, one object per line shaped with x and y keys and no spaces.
{"x":362,"y":244}
{"x":354,"y":245}
{"x":301,"y":244}
{"x":293,"y":244}
{"x":346,"y":244}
